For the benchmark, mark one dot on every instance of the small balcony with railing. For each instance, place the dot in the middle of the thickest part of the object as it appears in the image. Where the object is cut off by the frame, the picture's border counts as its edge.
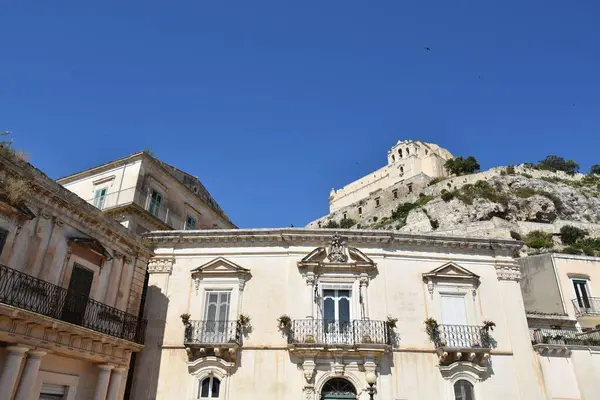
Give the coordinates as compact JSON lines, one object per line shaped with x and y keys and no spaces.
{"x":212,"y":338}
{"x":461,"y":342}
{"x":26,"y":292}
{"x":587,"y":310}
{"x":563,"y":339}
{"x":317,"y":334}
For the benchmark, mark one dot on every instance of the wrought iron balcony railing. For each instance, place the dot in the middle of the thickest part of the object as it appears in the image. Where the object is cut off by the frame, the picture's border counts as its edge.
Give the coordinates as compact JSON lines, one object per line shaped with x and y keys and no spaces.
{"x":587,"y":306}
{"x":212,"y":333}
{"x":30,"y":293}
{"x":462,"y":337}
{"x":567,"y":336}
{"x":328,"y":332}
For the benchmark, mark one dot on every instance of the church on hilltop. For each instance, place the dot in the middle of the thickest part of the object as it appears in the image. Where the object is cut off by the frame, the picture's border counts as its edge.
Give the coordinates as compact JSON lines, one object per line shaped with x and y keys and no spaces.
{"x":411,"y":165}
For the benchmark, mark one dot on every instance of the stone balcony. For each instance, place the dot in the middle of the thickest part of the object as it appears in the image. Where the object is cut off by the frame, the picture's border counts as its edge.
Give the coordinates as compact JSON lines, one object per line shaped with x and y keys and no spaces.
{"x":456,"y":343}
{"x":322,"y":336}
{"x":212,"y":339}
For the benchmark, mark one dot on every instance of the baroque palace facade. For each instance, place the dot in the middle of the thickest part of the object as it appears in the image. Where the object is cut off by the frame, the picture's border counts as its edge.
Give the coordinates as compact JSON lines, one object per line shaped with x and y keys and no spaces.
{"x":71,"y":282}
{"x":318,"y":314}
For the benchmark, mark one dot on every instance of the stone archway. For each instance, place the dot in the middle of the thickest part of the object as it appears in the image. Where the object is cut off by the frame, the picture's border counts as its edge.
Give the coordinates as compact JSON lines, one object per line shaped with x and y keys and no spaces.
{"x":338,"y":389}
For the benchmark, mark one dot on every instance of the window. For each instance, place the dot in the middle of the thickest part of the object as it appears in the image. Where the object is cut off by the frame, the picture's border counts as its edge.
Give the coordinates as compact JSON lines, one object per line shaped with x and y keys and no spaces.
{"x":52,"y":392}
{"x":582,"y":293}
{"x":3,"y":236}
{"x":395,"y":193}
{"x":344,"y":216}
{"x":209,"y":388}
{"x":401,"y":169}
{"x":336,"y":315}
{"x":100,"y":197}
{"x":190,"y":223}
{"x":407,"y":151}
{"x":410,"y":188}
{"x":216,"y":314}
{"x":393,"y":158}
{"x":377,"y":202}
{"x":426,"y":151}
{"x":375,"y":219}
{"x":359,"y":210}
{"x":463,"y":390}
{"x":400,"y":152}
{"x":155,"y":202}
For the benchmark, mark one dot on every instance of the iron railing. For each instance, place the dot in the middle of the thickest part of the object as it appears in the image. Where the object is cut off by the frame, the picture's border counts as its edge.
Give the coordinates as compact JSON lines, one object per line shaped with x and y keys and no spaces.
{"x":30,"y":293}
{"x":462,"y":336}
{"x":329,"y":332}
{"x":587,"y":306}
{"x":566,"y":336}
{"x":213,"y":332}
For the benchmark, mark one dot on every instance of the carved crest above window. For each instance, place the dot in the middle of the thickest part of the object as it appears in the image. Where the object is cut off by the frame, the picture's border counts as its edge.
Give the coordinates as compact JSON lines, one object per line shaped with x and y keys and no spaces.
{"x":337,"y":254}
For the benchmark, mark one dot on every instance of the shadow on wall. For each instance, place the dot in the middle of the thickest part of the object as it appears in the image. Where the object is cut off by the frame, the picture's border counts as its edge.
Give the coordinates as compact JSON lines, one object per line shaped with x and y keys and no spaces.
{"x":147,"y":368}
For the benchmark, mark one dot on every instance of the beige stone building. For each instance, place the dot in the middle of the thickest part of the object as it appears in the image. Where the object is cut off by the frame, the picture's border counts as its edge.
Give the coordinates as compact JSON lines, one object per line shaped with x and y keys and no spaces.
{"x":411,"y":167}
{"x":406,"y":161}
{"x":146,"y":194}
{"x":71,"y":281}
{"x":312,"y":314}
{"x":561,"y":293}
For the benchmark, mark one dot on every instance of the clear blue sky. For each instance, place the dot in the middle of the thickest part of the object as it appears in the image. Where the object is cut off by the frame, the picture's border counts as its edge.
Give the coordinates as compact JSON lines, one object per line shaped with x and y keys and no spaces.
{"x":274,"y":103}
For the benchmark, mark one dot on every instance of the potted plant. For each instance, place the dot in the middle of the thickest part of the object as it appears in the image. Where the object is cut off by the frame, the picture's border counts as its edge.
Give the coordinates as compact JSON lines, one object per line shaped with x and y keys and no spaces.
{"x":244,"y":320}
{"x":366,"y":338}
{"x":285,"y":322}
{"x":309,"y":338}
{"x":185,"y":318}
{"x":391,"y":322}
{"x":488,"y":325}
{"x":433,"y":330}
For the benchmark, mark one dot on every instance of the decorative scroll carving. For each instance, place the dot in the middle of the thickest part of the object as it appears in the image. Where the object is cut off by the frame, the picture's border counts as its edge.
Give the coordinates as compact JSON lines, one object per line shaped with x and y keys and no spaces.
{"x":508,"y":272}
{"x":337,"y":249}
{"x":160,"y":265}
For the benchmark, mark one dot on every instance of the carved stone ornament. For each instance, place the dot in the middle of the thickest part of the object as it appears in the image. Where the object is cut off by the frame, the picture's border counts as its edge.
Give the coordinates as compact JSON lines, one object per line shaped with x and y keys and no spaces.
{"x":157,"y":265}
{"x":309,"y":392}
{"x":337,"y":249}
{"x":508,"y":272}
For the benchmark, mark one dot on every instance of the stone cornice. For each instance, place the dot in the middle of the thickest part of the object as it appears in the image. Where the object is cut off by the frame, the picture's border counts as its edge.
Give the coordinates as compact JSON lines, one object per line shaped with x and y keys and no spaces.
{"x":70,"y":208}
{"x":300,"y":236}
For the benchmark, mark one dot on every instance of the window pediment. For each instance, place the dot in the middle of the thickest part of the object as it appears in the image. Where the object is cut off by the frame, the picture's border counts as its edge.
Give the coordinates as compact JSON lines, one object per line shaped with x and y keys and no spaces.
{"x":220,"y":266}
{"x":451,"y":271}
{"x":337,"y":254}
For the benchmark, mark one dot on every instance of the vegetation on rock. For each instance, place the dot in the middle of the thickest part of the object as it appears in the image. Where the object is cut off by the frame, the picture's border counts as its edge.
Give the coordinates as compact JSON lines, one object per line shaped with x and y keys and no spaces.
{"x":569,"y":234}
{"x":347,"y":223}
{"x":595,"y":169}
{"x":555,"y":163}
{"x":462,"y":166}
{"x":539,"y":240}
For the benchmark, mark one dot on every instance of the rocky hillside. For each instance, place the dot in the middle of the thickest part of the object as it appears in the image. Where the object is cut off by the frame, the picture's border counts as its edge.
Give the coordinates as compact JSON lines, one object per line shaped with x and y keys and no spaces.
{"x":519,"y":202}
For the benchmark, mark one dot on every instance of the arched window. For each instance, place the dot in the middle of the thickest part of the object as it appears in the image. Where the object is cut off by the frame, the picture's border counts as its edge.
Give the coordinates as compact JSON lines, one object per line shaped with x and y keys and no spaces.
{"x":209,"y":388}
{"x":407,"y":151}
{"x":463,"y":390}
{"x":338,"y":388}
{"x":400,"y":152}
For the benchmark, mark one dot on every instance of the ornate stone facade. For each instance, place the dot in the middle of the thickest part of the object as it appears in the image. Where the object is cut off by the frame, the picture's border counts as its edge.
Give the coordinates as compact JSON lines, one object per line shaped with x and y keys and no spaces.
{"x":329,"y":309}
{"x":71,"y":282}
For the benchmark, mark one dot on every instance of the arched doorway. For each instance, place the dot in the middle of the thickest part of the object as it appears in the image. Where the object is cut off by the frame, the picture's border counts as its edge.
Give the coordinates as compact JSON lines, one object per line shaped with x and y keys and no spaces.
{"x":338,"y":389}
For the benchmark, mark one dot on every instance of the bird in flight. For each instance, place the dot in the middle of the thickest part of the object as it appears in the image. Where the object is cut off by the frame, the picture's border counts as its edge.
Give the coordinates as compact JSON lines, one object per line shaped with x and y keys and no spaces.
{"x":427,"y":48}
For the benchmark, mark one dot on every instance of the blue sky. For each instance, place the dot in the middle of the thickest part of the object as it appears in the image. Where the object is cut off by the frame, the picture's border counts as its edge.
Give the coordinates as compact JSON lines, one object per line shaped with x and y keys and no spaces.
{"x":274,"y":103}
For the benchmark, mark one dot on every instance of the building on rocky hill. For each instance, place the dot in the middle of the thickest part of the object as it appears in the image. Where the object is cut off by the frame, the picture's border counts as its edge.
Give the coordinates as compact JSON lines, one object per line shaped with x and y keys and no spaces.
{"x":71,"y":281}
{"x":147,"y":194}
{"x":316,"y":314}
{"x":561,"y":293}
{"x":409,"y":164}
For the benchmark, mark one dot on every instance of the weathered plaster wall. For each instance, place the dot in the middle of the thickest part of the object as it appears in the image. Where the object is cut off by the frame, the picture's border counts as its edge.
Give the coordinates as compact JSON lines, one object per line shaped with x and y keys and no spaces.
{"x":539,"y":285}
